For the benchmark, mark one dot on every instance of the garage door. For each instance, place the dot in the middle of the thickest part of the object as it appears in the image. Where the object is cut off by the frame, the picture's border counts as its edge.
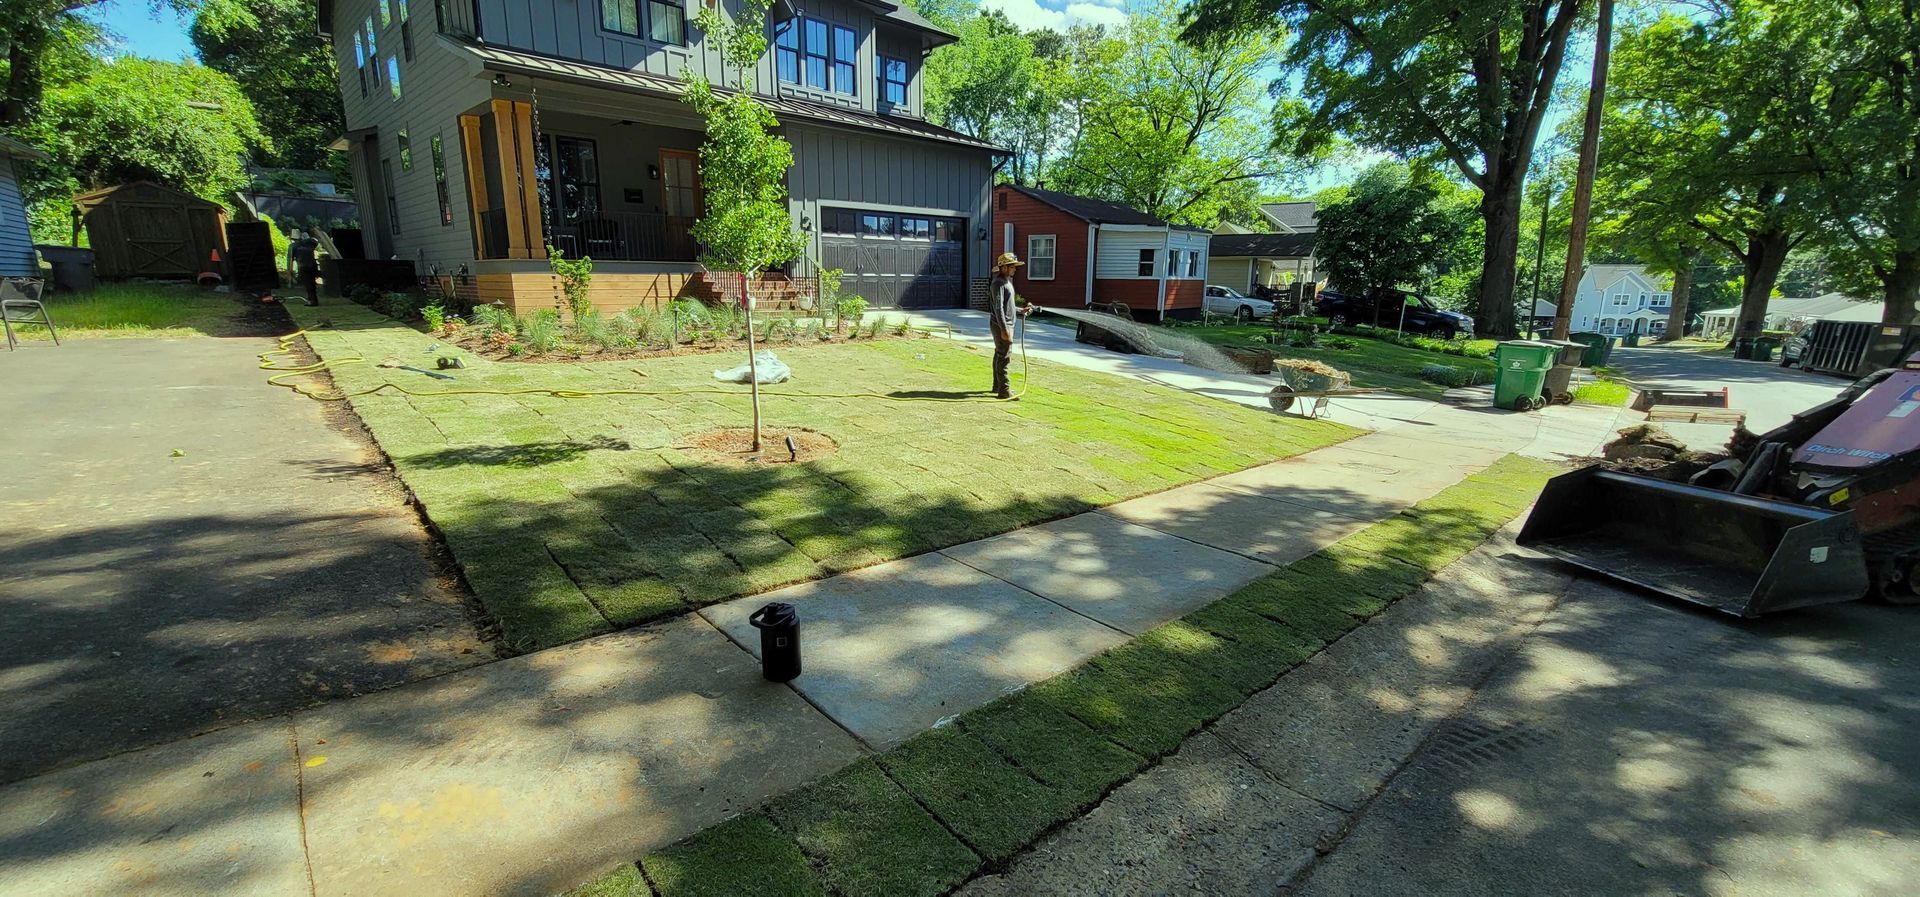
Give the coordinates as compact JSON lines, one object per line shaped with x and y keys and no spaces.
{"x":897,"y":259}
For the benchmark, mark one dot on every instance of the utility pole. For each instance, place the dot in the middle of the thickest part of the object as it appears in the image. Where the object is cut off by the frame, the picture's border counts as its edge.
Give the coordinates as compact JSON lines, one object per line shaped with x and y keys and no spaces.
{"x":1540,"y":253}
{"x":1583,"y":182}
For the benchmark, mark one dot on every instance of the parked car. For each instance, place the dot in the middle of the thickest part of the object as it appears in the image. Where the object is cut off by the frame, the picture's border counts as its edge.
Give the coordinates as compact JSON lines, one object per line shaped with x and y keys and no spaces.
{"x":1795,"y":347}
{"x":1228,"y":301}
{"x":1420,"y":316}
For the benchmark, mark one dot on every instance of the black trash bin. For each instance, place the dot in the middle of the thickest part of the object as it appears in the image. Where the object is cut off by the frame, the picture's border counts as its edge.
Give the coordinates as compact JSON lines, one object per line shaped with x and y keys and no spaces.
{"x":779,"y":641}
{"x":72,"y":267}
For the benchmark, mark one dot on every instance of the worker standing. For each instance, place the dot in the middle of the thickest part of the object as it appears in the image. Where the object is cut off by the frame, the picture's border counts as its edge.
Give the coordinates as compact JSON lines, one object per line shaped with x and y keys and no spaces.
{"x":302,"y":259}
{"x":1004,"y":309}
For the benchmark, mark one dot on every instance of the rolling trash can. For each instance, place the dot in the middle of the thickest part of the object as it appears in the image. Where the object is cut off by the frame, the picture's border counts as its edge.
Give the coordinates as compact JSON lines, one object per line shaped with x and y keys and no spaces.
{"x":1599,"y":347}
{"x":779,"y":641}
{"x":1520,"y":373}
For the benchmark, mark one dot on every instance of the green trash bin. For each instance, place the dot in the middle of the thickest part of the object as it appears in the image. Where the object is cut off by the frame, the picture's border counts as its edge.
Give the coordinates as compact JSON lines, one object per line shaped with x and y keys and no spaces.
{"x":1764,"y":347}
{"x":1599,"y":348}
{"x":1631,"y":341}
{"x":1520,"y":373}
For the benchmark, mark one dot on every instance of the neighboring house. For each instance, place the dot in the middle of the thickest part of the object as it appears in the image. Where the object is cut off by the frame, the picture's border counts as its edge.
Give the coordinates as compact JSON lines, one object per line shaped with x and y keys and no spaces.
{"x":1621,"y":299}
{"x":1279,"y":218}
{"x":1081,"y":252}
{"x":482,"y":131}
{"x":1246,"y":262}
{"x":1796,"y":314}
{"x":16,"y":232}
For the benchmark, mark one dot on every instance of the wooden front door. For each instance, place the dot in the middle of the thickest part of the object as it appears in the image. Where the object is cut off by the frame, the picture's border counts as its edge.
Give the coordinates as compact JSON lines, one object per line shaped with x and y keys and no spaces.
{"x":681,"y":198}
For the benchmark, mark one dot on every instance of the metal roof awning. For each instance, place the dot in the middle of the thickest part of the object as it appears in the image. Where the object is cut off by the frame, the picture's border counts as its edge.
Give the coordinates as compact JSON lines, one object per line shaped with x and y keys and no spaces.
{"x":498,"y":59}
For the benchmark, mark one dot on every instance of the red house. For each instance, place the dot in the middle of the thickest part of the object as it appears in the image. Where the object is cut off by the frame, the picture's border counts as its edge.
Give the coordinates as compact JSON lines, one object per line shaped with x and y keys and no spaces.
{"x":1082,"y":252}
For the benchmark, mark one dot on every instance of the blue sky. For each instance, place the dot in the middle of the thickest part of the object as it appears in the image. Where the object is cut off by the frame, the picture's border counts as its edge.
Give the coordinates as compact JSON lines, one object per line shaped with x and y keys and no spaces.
{"x":139,"y":31}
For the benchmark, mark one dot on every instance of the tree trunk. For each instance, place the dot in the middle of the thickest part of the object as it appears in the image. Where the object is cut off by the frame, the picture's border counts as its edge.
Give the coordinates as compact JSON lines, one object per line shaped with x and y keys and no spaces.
{"x":1682,"y":294}
{"x":753,"y":367}
{"x":1900,"y":283}
{"x":1500,"y":208}
{"x":1766,"y":252}
{"x":23,"y":81}
{"x":1583,"y":181}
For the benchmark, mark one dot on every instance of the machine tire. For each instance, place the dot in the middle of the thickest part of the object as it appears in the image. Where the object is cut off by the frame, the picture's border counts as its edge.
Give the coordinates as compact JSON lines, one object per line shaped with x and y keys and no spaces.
{"x":1243,"y":314}
{"x":1523,"y":403}
{"x":1444,"y":333}
{"x":1537,"y":402}
{"x":1281,"y":398}
{"x":1336,"y":320}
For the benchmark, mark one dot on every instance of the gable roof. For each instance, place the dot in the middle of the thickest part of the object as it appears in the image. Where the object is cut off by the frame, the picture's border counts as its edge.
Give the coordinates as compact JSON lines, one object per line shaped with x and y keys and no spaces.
{"x":1097,"y":211}
{"x":906,"y":15}
{"x":1825,"y":306}
{"x":1606,"y":277}
{"x":500,"y":59}
{"x":1288,"y":246}
{"x":1301,"y":217}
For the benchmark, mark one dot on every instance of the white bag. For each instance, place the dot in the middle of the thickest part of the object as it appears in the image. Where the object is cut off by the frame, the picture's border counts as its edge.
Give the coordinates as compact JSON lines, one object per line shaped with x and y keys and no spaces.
{"x":772,"y":370}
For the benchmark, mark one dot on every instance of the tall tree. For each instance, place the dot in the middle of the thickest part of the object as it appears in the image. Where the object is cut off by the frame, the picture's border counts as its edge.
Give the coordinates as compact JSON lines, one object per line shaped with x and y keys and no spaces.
{"x":1583,"y":179}
{"x":1466,"y":82}
{"x":274,"y":51}
{"x":1182,"y":129}
{"x":1707,"y":129}
{"x":32,"y":31}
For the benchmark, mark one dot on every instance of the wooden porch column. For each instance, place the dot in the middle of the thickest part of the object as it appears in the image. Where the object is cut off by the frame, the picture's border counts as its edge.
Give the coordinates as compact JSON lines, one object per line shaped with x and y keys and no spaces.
{"x":476,"y":181}
{"x":513,"y":140}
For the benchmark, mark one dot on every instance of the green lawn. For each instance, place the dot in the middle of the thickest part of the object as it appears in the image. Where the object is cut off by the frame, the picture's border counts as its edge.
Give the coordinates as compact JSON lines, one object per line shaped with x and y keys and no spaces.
{"x":141,"y":309}
{"x":1372,"y":363}
{"x":954,"y":802}
{"x":576,"y":516}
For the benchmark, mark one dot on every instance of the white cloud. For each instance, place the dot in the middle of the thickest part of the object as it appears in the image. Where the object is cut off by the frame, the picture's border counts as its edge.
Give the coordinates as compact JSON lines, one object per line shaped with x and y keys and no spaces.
{"x":1032,"y":14}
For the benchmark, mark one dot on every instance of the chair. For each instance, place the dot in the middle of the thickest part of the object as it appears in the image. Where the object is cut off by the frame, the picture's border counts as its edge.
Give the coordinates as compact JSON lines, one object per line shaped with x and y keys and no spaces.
{"x":602,"y":236}
{"x":20,"y":303}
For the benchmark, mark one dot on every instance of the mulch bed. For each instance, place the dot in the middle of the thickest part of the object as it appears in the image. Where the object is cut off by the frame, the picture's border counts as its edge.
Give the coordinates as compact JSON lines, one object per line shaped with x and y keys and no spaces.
{"x":734,"y":445}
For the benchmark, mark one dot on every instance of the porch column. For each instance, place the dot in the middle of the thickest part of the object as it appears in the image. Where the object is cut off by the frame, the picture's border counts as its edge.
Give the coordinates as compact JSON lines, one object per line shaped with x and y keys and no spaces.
{"x":520,"y":199}
{"x":477,"y":203}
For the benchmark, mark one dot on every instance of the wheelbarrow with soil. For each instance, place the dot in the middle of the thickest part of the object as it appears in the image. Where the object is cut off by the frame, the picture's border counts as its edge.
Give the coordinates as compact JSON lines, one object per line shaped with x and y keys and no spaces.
{"x":1310,"y":384}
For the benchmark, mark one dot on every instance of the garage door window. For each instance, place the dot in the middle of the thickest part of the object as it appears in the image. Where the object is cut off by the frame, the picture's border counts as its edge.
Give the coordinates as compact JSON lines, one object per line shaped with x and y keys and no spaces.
{"x":876,"y":225}
{"x":1040,"y":253}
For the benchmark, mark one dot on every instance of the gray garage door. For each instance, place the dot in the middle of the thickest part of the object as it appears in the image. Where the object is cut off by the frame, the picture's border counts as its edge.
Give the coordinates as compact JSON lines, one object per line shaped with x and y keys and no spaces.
{"x":897,"y":259}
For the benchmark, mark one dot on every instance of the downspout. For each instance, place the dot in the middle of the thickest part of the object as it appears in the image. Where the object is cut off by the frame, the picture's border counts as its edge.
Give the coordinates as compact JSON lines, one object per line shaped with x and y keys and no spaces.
{"x":1093,"y":237}
{"x":1166,"y":264}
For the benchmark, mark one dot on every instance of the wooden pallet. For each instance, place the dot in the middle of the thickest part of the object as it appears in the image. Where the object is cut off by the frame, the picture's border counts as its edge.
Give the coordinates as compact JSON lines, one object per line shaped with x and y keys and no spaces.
{"x":1693,"y":414}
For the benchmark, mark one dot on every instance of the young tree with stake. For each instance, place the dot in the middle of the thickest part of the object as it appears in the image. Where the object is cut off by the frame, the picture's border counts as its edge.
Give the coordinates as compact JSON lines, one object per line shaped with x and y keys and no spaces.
{"x":743,"y":169}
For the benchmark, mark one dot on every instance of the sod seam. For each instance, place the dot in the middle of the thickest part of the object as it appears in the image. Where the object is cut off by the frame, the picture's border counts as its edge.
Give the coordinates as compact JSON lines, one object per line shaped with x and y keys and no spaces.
{"x":1195,"y":646}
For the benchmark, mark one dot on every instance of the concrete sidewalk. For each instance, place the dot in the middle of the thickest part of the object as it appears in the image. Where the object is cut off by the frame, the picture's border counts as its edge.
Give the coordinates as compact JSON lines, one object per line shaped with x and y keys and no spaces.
{"x":1512,"y":730}
{"x":530,"y":775}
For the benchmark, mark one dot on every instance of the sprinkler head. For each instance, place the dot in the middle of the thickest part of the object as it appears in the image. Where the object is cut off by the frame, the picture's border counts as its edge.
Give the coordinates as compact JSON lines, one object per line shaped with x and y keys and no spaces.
{"x":793,"y":449}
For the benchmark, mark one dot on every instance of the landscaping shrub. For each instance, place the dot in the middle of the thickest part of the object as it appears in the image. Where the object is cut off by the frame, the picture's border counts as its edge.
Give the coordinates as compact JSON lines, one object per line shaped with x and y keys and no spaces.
{"x":1342,"y":343}
{"x":541,"y":330}
{"x":849,"y":308}
{"x":396,"y":305}
{"x":435,"y":315}
{"x":1448,"y":376}
{"x":576,"y":278}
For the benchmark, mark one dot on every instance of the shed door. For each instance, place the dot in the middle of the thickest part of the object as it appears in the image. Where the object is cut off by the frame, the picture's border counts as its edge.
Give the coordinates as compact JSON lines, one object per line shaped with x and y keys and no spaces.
{"x":896,"y":259}
{"x":156,"y":238}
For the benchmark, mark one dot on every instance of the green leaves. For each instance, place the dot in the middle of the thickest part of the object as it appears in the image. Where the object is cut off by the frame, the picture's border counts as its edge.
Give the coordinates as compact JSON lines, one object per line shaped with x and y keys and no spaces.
{"x":743,"y":168}
{"x":1394,"y":228}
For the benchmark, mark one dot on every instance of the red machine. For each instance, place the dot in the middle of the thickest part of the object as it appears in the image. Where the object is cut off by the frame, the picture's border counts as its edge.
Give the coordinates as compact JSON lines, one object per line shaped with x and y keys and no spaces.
{"x":1821,"y":510}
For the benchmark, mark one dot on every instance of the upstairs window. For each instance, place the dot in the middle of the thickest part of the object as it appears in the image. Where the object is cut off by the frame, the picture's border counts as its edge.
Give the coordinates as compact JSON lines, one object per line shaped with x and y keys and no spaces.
{"x":406,"y":150}
{"x":621,"y":16}
{"x":815,"y":54}
{"x":406,"y":29}
{"x":893,"y":81}
{"x":393,"y":76}
{"x":845,"y":48}
{"x":386,"y":15}
{"x":440,"y":181}
{"x":360,"y":60}
{"x":373,"y":44}
{"x":667,"y":21}
{"x":1146,"y":262}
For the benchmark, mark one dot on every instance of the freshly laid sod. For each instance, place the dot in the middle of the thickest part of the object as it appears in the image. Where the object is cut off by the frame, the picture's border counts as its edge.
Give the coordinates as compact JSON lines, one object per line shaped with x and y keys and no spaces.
{"x":117,"y":310}
{"x":574,"y":516}
{"x":1372,"y":363}
{"x":1003,"y":775}
{"x":745,"y":854}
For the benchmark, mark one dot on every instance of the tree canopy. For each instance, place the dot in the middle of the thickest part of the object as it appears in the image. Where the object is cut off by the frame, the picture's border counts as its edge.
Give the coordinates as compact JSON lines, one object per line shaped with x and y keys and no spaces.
{"x":272,"y":49}
{"x":1399,"y":226}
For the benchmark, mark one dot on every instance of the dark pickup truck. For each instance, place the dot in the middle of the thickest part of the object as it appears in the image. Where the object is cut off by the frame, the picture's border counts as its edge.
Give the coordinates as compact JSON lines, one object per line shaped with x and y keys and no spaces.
{"x":1421,"y":315}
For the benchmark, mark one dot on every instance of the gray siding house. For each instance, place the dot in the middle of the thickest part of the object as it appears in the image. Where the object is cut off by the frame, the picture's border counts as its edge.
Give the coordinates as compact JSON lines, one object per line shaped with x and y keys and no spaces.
{"x":483,"y":130}
{"x":16,"y":234}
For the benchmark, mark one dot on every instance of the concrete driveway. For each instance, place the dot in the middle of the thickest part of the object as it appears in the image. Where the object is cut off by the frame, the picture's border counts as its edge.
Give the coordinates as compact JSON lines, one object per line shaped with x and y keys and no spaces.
{"x":183,"y":547}
{"x":1769,"y":393}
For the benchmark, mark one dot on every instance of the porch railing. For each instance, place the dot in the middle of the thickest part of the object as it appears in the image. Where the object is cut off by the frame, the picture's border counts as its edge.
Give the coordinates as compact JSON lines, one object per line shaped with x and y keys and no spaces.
{"x":606,"y":237}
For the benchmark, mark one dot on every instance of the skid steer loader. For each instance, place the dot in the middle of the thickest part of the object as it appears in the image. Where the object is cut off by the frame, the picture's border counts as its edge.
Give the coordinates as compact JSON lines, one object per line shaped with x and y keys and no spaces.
{"x":1822,"y":510}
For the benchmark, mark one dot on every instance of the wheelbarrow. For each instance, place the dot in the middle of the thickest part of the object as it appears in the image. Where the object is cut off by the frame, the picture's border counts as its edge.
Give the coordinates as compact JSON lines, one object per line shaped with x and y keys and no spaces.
{"x":1311,"y":389}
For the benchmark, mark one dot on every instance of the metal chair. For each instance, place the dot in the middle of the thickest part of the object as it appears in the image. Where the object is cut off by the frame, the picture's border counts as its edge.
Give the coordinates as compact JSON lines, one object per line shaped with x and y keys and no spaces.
{"x":20,"y":303}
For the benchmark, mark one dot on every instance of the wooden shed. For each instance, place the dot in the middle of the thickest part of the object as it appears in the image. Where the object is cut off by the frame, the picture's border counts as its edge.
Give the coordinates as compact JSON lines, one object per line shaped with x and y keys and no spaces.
{"x":142,"y":229}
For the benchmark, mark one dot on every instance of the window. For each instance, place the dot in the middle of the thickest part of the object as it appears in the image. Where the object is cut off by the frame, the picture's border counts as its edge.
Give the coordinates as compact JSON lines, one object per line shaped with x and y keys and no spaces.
{"x":802,"y":54}
{"x":406,"y":149}
{"x":667,"y":21}
{"x":406,"y":29}
{"x":393,"y":202}
{"x":1040,"y":254}
{"x":360,"y":60}
{"x":876,"y":225}
{"x":439,"y":154}
{"x":816,"y":52}
{"x":1193,"y":264}
{"x":786,"y":51}
{"x":1662,"y":300}
{"x":373,"y":47}
{"x":386,"y":15}
{"x":916,"y":229}
{"x":1620,"y":300}
{"x":1173,"y":263}
{"x":573,"y":181}
{"x":893,"y":82}
{"x":1146,"y":263}
{"x":393,"y":75}
{"x":844,"y":49}
{"x":622,"y":16}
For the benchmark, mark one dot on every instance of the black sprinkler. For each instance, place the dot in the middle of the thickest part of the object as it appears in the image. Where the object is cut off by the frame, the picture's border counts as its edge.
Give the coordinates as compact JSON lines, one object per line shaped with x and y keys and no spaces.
{"x":779,"y":641}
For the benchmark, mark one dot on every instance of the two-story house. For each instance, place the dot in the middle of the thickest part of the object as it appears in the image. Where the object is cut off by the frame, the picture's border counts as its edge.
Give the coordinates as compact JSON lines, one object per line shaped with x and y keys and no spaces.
{"x":482,"y":131}
{"x":1621,"y":299}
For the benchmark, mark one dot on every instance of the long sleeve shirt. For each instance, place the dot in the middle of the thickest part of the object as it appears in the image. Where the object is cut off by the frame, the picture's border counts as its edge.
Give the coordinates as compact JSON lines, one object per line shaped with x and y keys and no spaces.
{"x":1002,"y":308}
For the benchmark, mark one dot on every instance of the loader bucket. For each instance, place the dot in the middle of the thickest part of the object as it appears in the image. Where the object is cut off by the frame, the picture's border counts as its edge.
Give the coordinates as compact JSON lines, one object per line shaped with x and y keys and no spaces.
{"x":1739,"y":554}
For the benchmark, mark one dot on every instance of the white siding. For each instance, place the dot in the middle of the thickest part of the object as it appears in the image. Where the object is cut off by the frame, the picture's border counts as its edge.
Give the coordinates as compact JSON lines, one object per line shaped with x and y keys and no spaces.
{"x":441,"y":83}
{"x":1120,"y":253}
{"x":1195,"y":244}
{"x":1234,"y":273}
{"x":16,"y":238}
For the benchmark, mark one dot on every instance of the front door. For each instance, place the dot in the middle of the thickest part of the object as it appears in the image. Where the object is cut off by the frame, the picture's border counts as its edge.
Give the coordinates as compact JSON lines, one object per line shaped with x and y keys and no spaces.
{"x":680,"y":195}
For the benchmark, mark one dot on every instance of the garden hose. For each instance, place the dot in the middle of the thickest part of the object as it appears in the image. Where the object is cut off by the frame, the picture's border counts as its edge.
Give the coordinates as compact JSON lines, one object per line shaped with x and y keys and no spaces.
{"x":271,"y":361}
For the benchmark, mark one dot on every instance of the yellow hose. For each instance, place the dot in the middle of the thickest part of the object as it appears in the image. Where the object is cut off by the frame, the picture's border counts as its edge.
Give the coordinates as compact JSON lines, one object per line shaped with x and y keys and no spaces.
{"x":271,"y":361}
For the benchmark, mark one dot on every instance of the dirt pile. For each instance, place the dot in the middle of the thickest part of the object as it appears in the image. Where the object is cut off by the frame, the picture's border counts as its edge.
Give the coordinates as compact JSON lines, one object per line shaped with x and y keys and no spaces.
{"x":1652,"y":451}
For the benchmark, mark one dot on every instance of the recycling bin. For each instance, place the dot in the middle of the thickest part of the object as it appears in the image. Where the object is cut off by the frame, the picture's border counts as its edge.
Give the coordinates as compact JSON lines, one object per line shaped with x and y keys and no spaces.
{"x":1520,"y":373}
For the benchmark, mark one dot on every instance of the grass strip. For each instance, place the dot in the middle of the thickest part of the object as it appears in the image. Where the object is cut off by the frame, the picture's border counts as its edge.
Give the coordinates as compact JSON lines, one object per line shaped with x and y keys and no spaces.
{"x":1005,"y":773}
{"x":623,"y":881}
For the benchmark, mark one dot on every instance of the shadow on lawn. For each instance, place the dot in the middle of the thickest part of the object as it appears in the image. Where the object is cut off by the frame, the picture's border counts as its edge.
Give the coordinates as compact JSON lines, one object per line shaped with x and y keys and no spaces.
{"x":527,"y":454}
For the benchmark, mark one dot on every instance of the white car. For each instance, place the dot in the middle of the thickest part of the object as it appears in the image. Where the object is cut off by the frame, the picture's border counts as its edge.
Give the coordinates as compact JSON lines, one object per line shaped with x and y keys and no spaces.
{"x":1228,"y":301}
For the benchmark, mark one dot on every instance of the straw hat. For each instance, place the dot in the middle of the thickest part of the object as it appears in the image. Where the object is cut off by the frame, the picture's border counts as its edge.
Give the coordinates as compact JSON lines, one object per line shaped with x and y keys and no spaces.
{"x":1007,"y":258}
